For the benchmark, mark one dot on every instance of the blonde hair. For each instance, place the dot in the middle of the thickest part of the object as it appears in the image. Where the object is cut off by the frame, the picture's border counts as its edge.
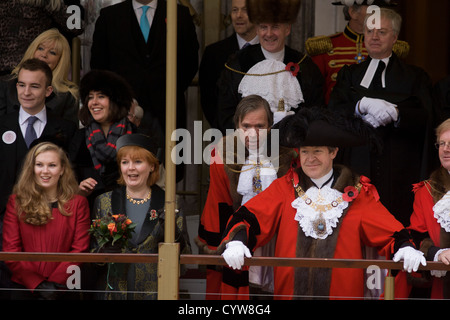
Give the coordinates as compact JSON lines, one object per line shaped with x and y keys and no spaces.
{"x":31,"y":201}
{"x":136,"y":152}
{"x":51,"y":5}
{"x":444,"y":126}
{"x":60,"y":82}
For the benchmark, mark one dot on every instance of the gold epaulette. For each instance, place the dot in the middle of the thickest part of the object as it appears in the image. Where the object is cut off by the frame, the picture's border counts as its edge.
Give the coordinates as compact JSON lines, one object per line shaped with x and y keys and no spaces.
{"x":318,"y":45}
{"x":401,"y":49}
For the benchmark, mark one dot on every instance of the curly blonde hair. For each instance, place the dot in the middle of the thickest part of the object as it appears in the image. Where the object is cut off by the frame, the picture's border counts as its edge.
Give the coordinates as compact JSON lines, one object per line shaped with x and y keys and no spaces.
{"x":61,"y":82}
{"x":31,"y":201}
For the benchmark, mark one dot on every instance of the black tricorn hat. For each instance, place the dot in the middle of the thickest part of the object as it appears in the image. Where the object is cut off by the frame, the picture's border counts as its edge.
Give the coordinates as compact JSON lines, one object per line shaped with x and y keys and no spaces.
{"x":139,"y":140}
{"x":317,"y":126}
{"x":110,"y":84}
{"x":380,"y":3}
{"x":272,"y":11}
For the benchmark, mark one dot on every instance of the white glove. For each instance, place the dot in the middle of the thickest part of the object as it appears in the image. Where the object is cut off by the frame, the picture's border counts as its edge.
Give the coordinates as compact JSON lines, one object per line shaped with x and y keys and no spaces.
{"x":371,"y":120}
{"x":411,"y":257}
{"x":234,"y":254}
{"x":439,"y":273}
{"x":384,"y":112}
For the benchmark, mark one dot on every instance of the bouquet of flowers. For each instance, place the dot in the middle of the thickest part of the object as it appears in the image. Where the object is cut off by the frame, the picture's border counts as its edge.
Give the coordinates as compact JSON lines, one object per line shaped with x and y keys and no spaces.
{"x":112,"y":230}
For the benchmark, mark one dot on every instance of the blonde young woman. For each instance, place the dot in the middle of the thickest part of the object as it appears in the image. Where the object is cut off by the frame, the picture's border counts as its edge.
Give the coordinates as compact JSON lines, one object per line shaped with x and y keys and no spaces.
{"x":44,"y":214}
{"x":51,"y":47}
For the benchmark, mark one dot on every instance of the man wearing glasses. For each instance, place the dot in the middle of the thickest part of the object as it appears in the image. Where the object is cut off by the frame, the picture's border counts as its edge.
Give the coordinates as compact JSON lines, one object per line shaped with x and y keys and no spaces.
{"x":395,"y":98}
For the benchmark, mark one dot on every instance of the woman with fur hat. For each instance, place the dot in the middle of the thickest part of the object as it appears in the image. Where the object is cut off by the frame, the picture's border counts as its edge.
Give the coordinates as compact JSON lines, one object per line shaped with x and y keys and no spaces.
{"x":319,"y":210}
{"x":106,"y":99}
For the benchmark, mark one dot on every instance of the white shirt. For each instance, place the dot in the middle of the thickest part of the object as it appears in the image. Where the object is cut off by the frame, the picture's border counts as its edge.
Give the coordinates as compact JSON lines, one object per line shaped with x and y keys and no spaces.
{"x":278,"y":56}
{"x":150,"y":12}
{"x":320,"y":182}
{"x":242,"y":41}
{"x":38,"y":125}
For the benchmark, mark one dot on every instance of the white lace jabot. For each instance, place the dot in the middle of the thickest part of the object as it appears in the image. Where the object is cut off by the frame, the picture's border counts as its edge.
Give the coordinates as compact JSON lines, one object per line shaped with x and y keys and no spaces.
{"x":442,"y":212}
{"x":272,"y":87}
{"x":319,"y":223}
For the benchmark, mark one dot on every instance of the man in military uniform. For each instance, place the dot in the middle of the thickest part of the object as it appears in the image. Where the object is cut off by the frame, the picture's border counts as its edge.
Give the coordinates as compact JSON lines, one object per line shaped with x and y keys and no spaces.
{"x":331,"y":53}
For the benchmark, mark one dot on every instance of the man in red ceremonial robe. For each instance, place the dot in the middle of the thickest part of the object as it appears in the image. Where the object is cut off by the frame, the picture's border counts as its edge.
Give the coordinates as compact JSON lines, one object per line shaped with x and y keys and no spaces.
{"x":430,"y":222}
{"x":319,"y":210}
{"x":233,"y":181}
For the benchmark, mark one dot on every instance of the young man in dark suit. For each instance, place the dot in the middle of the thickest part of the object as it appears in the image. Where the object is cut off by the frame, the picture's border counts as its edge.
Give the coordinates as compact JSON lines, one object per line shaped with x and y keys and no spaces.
{"x":17,"y":136}
{"x":216,"y":55}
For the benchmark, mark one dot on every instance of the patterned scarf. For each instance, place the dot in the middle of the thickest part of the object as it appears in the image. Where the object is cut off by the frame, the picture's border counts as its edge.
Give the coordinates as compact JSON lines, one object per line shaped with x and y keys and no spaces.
{"x":103,"y":149}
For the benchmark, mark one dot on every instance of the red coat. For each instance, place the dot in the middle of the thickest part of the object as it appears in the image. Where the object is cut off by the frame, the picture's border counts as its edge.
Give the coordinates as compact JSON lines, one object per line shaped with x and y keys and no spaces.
{"x":342,"y":48}
{"x":217,"y":210}
{"x":367,"y":222}
{"x":61,"y":234}
{"x":423,"y":220}
{"x":222,"y":201}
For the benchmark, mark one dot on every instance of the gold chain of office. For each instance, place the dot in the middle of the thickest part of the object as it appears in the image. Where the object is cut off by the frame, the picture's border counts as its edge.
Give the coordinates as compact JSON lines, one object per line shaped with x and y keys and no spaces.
{"x":262,"y":74}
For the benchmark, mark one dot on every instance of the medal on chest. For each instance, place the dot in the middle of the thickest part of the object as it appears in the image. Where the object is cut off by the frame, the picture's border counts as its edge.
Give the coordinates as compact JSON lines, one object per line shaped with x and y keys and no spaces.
{"x":319,"y":210}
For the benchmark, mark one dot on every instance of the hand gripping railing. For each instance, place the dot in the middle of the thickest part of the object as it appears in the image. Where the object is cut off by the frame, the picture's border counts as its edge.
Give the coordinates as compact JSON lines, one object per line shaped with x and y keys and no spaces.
{"x":218,"y":260}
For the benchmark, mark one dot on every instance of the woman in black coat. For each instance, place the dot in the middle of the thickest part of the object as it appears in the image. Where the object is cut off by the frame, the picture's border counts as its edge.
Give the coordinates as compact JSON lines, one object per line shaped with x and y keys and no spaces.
{"x":106,"y":99}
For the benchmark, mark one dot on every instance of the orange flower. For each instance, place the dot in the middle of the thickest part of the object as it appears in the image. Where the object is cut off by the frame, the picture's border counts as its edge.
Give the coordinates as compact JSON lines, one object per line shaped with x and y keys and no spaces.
{"x":112,"y":228}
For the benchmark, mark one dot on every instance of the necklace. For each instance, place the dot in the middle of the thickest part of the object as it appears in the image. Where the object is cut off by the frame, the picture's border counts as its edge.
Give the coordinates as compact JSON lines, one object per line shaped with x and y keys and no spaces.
{"x":134,"y":201}
{"x":318,"y":213}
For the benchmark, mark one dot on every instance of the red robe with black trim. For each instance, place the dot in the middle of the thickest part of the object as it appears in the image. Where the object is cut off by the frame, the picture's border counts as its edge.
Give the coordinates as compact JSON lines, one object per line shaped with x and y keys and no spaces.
{"x":220,"y":205}
{"x":211,"y":227}
{"x":367,"y":222}
{"x":423,"y":221}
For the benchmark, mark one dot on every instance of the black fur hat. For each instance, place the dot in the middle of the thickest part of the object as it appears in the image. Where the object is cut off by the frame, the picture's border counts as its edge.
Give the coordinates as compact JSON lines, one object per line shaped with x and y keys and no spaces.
{"x":320,"y":127}
{"x":272,"y":11}
{"x":110,"y":84}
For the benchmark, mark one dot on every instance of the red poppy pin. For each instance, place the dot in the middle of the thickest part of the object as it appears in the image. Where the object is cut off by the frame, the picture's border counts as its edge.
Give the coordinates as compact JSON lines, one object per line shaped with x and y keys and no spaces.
{"x":293,"y":68}
{"x":350,"y":193}
{"x":153,"y":214}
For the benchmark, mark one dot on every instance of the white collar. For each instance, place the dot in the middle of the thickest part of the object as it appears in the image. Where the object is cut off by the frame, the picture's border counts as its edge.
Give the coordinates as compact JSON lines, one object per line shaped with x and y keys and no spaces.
{"x":242,"y":41}
{"x":23,"y":115}
{"x":278,"y":56}
{"x":370,"y":72}
{"x":137,"y":5}
{"x":320,"y":182}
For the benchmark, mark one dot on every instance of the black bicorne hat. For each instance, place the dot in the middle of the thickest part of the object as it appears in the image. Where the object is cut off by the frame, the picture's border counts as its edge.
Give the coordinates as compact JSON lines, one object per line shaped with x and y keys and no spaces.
{"x":318,"y":126}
